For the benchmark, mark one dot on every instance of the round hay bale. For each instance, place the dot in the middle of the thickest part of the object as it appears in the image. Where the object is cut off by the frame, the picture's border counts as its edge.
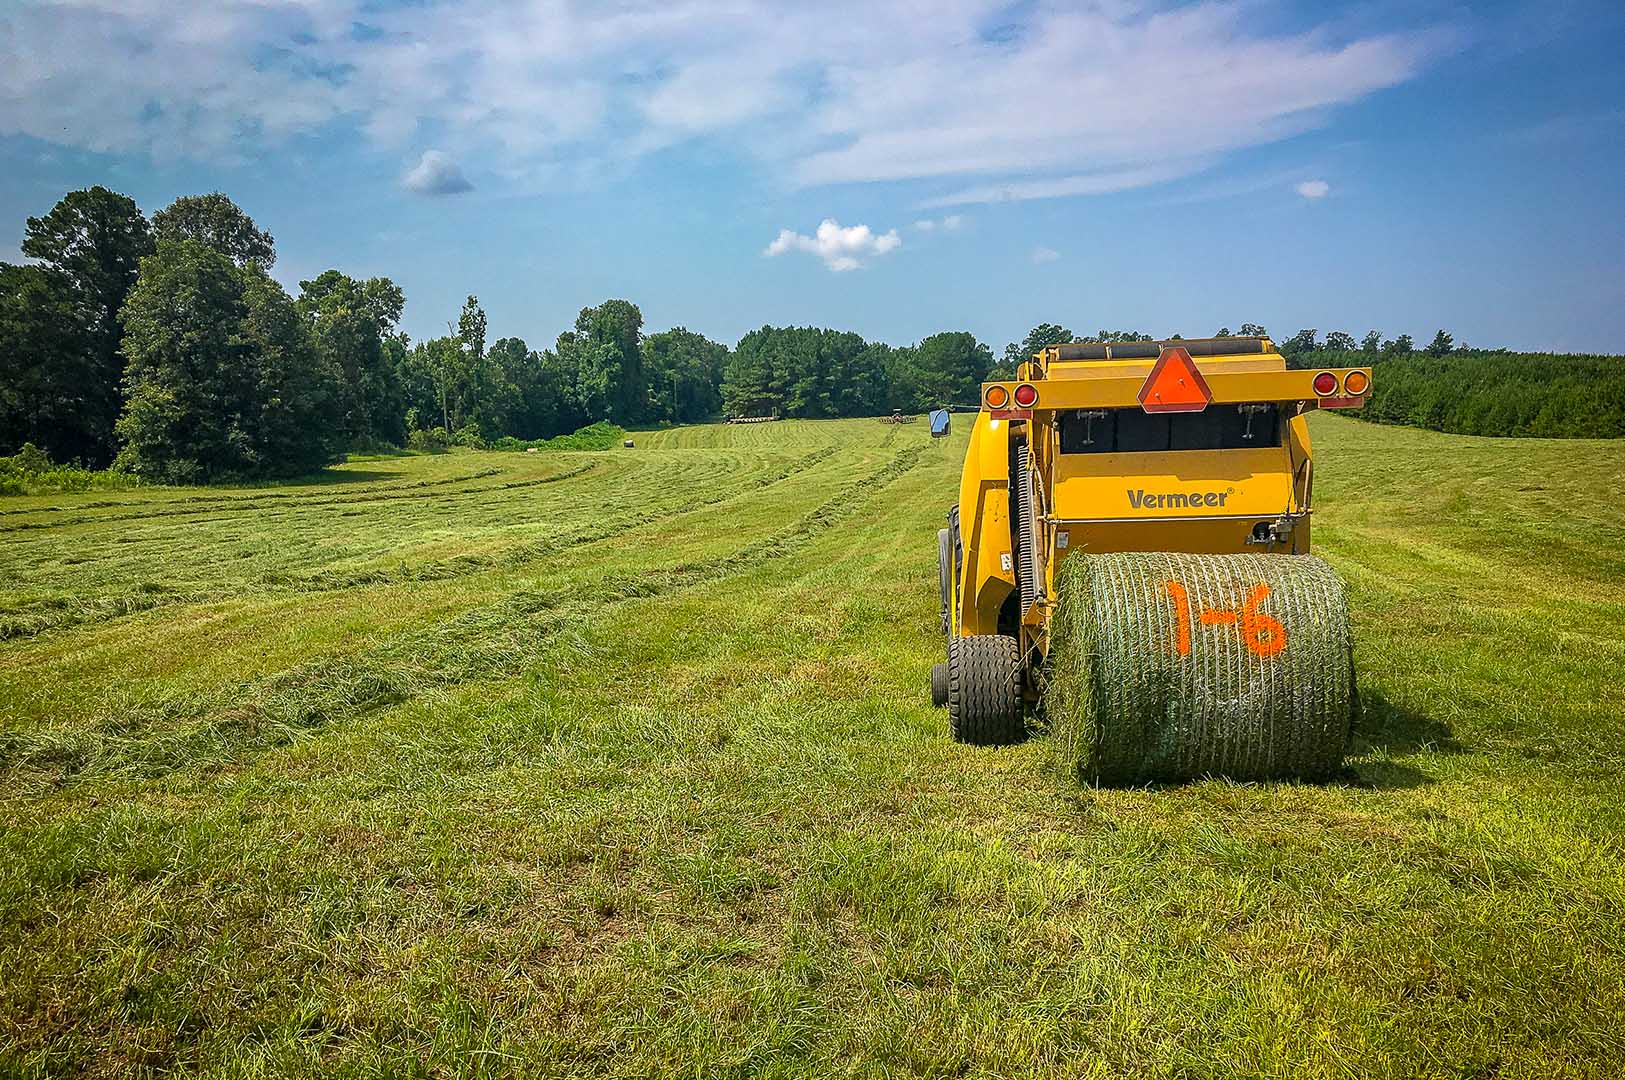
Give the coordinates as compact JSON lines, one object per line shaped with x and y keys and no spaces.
{"x":1169,"y":667}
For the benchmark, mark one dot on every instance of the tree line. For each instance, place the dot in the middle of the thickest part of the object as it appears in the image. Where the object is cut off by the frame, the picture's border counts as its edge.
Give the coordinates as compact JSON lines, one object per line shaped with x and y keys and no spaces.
{"x":1303,"y":349}
{"x":1306,"y":349}
{"x":1495,"y":392}
{"x":165,"y":347}
{"x":1458,"y":389}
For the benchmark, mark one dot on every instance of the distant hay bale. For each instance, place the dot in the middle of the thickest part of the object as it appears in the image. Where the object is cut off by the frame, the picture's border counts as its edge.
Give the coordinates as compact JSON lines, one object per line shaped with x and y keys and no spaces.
{"x":1169,"y":667}
{"x":626,"y":444}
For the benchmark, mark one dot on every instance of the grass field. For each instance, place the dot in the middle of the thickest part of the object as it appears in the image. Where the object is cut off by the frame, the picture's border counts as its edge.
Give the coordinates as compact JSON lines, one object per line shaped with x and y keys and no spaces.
{"x":624,"y":762}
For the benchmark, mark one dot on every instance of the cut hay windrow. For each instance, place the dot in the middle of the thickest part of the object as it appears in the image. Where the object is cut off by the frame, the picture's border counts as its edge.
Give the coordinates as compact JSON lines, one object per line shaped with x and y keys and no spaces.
{"x":1168,"y":667}
{"x":258,"y":503}
{"x":253,"y":499}
{"x":154,"y":736}
{"x":29,"y":618}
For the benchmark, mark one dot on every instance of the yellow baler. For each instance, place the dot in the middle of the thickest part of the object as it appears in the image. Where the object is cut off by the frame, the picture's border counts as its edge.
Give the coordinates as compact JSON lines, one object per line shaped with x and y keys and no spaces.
{"x":1192,"y":448}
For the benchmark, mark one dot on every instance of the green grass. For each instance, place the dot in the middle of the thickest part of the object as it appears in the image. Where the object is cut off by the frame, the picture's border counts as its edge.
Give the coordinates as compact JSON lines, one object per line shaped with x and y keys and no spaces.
{"x":599,"y":436}
{"x":623,"y":762}
{"x":30,"y":472}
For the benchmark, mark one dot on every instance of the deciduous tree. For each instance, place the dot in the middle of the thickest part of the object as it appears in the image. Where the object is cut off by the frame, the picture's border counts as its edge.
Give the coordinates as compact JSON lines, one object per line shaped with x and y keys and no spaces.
{"x":350,"y":322}
{"x":684,"y":370}
{"x":92,"y":241}
{"x":951,"y":368}
{"x":1302,"y":341}
{"x":1039,"y":337}
{"x":615,"y":326}
{"x":223,"y":379}
{"x":49,"y":379}
{"x":214,"y":220}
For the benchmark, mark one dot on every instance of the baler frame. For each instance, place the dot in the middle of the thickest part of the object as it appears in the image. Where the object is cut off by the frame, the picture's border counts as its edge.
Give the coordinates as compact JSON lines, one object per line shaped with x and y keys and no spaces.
{"x":1027,"y":501}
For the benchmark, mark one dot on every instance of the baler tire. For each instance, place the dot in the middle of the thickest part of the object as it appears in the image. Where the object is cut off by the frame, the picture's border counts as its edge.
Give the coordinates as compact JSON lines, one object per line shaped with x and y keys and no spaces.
{"x":984,"y":691}
{"x":939,"y":685}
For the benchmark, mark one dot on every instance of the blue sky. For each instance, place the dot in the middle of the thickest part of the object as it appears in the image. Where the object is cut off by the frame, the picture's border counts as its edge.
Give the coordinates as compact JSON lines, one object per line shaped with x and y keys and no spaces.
{"x":982,"y":165}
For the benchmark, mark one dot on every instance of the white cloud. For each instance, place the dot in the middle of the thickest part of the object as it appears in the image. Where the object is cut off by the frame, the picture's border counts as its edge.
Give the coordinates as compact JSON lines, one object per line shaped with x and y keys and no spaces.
{"x":1314,"y":189}
{"x":1100,"y":183}
{"x":1042,"y":255}
{"x":841,"y":247}
{"x":842,"y":92}
{"x":951,"y":223}
{"x":1163,"y":94}
{"x":436,"y":174}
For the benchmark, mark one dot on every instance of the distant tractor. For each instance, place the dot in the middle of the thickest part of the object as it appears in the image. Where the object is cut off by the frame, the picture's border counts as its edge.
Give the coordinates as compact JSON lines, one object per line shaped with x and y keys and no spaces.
{"x":1129,"y":556}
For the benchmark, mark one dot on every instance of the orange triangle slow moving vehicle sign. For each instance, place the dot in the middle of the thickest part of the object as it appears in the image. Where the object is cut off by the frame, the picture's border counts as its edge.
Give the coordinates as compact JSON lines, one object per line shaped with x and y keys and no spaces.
{"x":1174,"y":385}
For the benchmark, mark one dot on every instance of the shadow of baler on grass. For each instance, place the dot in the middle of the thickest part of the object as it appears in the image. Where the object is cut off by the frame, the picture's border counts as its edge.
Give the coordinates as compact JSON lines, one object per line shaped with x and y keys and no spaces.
{"x":1383,"y":740}
{"x":1385,"y":732}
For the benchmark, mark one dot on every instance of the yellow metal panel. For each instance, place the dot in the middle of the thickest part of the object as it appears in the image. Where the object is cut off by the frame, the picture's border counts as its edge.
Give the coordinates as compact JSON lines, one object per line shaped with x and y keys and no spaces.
{"x":1173,"y":484}
{"x":1229,"y":387}
{"x":984,"y":522}
{"x":1198,"y":536}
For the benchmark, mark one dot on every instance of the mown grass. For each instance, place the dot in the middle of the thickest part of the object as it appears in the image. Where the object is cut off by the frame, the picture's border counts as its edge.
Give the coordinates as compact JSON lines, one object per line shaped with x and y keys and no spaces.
{"x":435,"y":770}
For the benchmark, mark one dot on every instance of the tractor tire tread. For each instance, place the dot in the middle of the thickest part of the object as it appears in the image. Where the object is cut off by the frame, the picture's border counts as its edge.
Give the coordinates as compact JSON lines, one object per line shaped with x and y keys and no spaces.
{"x":984,"y":691}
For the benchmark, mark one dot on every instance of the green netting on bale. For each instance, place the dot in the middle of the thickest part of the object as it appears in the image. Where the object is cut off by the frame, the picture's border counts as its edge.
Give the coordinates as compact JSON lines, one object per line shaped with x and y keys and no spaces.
{"x":1169,"y":667}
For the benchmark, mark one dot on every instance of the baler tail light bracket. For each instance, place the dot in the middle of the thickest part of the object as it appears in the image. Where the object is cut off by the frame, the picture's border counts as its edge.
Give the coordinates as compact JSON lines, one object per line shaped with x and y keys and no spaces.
{"x":1269,"y":533}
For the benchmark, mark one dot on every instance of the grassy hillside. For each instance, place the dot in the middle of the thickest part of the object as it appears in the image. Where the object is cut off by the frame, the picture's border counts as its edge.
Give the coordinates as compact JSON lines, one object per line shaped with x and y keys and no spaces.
{"x":624,"y":762}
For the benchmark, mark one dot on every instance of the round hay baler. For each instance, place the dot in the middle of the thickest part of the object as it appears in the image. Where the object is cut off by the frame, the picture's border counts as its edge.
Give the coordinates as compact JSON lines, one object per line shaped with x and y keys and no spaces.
{"x":1129,"y":559}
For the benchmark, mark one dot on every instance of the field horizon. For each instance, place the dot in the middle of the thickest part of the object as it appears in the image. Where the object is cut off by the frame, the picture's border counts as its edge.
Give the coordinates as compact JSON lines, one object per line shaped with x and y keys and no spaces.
{"x":624,"y":762}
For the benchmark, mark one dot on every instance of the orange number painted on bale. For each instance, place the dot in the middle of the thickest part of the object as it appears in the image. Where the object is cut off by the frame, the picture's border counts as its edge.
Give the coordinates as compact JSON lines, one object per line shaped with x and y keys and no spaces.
{"x":1262,"y":634}
{"x":1182,"y":618}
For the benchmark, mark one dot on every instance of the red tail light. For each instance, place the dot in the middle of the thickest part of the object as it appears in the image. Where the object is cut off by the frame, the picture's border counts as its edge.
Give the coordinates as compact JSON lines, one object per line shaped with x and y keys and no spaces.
{"x":1026,"y":395}
{"x":1325,"y":384}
